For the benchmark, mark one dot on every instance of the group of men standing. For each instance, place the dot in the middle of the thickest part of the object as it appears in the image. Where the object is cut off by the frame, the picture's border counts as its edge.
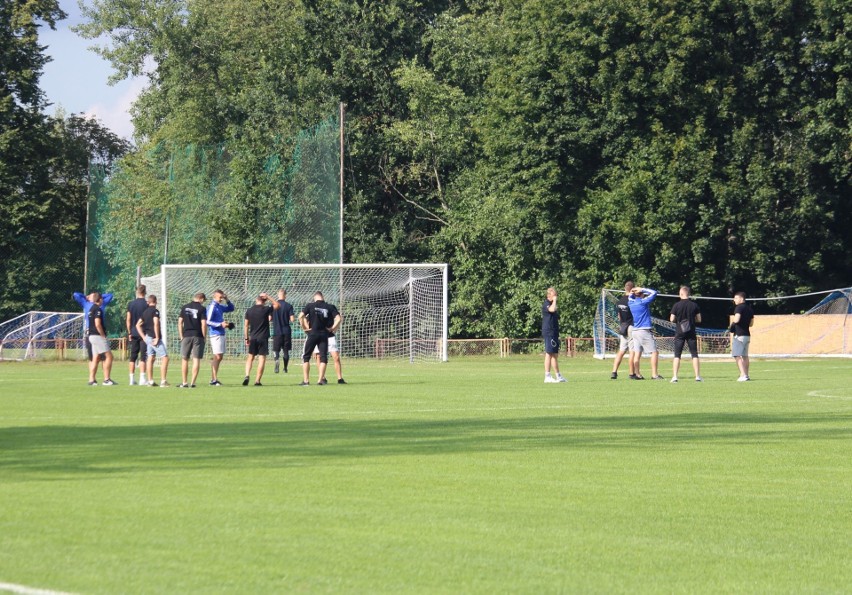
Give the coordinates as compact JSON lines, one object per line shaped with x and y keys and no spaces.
{"x":319,"y":319}
{"x":636,"y":332}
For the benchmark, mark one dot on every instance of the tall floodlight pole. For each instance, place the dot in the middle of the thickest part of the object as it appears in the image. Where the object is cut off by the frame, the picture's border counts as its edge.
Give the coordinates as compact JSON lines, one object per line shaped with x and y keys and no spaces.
{"x":342,"y":120}
{"x":340,"y":244}
{"x":86,"y":240}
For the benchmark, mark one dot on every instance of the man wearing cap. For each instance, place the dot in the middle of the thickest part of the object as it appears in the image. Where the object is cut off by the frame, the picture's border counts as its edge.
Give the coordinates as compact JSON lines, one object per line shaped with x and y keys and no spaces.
{"x":192,"y":329}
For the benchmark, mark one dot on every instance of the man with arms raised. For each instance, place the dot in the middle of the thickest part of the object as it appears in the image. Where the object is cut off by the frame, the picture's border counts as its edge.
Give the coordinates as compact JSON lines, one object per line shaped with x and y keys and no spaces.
{"x":283,"y":317}
{"x":192,"y":329}
{"x":639,"y":301}
{"x":149,"y":327}
{"x":317,"y":319}
{"x":686,"y":315}
{"x":138,"y":349}
{"x":741,"y":328}
{"x":216,"y":324}
{"x":99,"y":342}
{"x":550,"y":332}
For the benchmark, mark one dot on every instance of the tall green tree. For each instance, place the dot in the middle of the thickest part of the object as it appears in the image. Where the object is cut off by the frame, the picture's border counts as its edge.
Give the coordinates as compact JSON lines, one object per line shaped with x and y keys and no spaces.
{"x":25,"y":207}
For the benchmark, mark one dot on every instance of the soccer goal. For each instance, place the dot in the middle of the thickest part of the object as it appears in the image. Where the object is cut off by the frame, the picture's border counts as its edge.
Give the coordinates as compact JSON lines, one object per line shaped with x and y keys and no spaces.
{"x":42,"y":335}
{"x":389,"y":310}
{"x":822,"y":330}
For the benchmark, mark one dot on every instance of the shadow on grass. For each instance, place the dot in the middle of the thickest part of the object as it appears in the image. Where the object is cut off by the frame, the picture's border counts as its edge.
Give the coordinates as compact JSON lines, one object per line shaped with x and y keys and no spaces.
{"x":68,"y":450}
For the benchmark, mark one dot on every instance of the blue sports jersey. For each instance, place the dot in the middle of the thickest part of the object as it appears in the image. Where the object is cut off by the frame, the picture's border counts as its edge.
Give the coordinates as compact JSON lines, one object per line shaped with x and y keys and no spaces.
{"x":216,"y":316}
{"x":641,"y":309}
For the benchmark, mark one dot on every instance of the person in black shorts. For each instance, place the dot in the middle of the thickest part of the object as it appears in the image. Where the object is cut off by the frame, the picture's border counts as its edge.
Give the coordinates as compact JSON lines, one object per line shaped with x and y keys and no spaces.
{"x":282,"y":318}
{"x":316,"y":319}
{"x":138,"y":349}
{"x":257,"y":322}
{"x":625,"y":332}
{"x":192,"y":330}
{"x":686,"y":315}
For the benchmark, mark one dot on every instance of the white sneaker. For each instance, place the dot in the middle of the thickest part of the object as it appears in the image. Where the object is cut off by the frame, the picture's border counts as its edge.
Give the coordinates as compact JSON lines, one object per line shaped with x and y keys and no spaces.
{"x":151,"y":383}
{"x":550,"y":379}
{"x":699,"y":379}
{"x":674,"y":380}
{"x":132,"y":381}
{"x":164,"y":383}
{"x":561,"y":378}
{"x":143,"y":379}
{"x":743,"y":379}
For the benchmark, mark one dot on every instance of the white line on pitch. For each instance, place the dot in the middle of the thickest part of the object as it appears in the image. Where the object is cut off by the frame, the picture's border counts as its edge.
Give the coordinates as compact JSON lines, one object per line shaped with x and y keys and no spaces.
{"x":24,"y":590}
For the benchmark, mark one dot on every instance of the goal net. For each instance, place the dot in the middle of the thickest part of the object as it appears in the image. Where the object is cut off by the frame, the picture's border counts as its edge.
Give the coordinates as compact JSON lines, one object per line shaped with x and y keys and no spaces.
{"x":821,"y":329}
{"x":389,"y":310}
{"x":43,"y":335}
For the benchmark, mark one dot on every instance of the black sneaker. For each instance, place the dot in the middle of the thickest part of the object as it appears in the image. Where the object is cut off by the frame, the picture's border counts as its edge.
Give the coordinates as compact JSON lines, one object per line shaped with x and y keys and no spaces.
{"x":245,"y":381}
{"x":640,"y":377}
{"x":258,"y":384}
{"x":341,"y":381}
{"x":183,"y":385}
{"x":613,"y":376}
{"x":304,"y":384}
{"x":93,"y":383}
{"x":633,"y":377}
{"x":109,"y":382}
{"x":191,"y":386}
{"x":215,"y":383}
{"x":322,"y":382}
{"x":276,"y":367}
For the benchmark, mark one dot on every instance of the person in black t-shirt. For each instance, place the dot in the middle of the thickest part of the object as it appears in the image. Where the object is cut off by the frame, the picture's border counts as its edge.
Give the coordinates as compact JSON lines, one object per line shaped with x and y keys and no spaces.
{"x":550,"y":333}
{"x":283,"y":317}
{"x":317,"y":319}
{"x":741,"y":325}
{"x":625,"y":332}
{"x":138,"y":351}
{"x":98,"y":339}
{"x":686,"y":315}
{"x":192,"y":329}
{"x":151,"y":329}
{"x":256,"y":328}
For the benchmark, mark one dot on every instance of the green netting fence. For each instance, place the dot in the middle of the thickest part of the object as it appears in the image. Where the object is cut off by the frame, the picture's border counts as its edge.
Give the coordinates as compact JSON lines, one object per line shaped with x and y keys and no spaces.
{"x":170,"y":204}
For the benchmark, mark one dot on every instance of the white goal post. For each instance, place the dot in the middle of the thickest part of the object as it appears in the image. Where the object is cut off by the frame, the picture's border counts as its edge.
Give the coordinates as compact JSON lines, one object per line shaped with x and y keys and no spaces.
{"x":389,"y":310}
{"x":823,"y":330}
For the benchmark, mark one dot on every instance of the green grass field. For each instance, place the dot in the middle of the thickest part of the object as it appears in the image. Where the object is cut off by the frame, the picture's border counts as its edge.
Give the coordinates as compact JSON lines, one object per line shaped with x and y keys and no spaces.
{"x":470,"y":476}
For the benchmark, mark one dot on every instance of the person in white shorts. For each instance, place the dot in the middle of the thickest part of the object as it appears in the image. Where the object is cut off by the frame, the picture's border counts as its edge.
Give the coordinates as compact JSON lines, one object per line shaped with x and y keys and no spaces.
{"x":639,"y":301}
{"x":99,"y":342}
{"x":334,"y":350}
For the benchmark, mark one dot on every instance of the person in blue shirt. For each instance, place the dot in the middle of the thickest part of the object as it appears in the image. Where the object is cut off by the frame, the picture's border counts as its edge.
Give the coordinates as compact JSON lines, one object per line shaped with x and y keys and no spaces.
{"x":639,"y":302}
{"x":550,"y":333}
{"x":216,"y":323}
{"x":86,"y":302}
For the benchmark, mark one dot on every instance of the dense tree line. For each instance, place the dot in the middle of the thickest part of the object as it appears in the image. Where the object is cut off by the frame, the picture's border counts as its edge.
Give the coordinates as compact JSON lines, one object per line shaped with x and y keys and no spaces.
{"x":44,"y":163}
{"x":533,"y":142}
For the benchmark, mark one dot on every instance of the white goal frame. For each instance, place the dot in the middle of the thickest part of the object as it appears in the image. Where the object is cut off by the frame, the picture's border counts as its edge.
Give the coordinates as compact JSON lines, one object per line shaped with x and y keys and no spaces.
{"x":436,"y":274}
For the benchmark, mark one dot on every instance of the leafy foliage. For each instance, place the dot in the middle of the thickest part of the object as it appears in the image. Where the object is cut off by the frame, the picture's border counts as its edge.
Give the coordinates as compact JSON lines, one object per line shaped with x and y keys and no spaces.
{"x":527,"y":142}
